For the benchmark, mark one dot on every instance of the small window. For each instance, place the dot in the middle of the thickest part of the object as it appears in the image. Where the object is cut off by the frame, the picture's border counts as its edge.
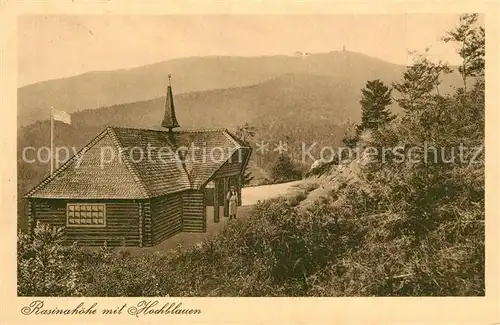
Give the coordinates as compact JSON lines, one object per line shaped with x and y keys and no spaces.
{"x":86,"y":215}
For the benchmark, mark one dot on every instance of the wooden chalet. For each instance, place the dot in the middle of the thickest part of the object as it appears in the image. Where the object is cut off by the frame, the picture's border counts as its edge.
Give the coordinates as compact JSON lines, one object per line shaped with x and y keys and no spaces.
{"x":138,"y":187}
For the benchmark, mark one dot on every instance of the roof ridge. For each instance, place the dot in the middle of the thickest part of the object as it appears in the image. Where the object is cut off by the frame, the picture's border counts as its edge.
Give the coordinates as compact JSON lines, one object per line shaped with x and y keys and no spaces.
{"x":84,"y":149}
{"x":165,"y":131}
{"x":233,"y":138}
{"x":131,"y":167}
{"x":130,"y":128}
{"x":204,"y":130}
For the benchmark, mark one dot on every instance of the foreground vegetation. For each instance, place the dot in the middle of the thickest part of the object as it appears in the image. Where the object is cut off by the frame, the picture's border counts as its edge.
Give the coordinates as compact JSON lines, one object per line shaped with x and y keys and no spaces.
{"x":387,"y":228}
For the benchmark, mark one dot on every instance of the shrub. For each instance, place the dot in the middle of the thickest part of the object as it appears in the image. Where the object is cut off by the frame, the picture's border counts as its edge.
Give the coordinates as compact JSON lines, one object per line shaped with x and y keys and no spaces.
{"x":285,"y":170}
{"x":45,"y":267}
{"x":311,"y":187}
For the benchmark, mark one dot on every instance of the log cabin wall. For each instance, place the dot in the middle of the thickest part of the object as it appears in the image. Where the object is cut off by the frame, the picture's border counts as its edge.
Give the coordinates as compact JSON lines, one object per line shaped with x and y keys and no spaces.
{"x":166,"y":217}
{"x":141,"y":224}
{"x":146,"y":239}
{"x":121,"y":226}
{"x":193,"y":212}
{"x":30,"y":214}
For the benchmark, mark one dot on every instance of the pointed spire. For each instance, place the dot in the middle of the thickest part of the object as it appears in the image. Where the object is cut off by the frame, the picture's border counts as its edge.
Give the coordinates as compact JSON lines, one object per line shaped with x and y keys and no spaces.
{"x":169,"y":120}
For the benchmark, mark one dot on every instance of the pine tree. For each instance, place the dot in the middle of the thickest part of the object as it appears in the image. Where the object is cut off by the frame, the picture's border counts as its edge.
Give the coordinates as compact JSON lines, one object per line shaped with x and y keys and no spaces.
{"x":420,"y":80}
{"x":284,"y":169}
{"x":376,"y":98}
{"x":471,"y":41}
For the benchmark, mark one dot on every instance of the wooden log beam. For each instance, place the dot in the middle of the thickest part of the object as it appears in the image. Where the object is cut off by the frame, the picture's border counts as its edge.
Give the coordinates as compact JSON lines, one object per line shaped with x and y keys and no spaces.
{"x":226,"y":190}
{"x":216,"y":201}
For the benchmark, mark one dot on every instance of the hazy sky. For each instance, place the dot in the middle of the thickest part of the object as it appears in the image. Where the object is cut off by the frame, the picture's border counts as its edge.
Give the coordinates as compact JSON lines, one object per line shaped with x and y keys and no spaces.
{"x":59,"y":46}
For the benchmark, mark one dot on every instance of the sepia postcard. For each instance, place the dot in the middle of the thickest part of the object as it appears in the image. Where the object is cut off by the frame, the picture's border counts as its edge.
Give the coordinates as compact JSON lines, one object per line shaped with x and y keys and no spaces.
{"x":272,"y":162}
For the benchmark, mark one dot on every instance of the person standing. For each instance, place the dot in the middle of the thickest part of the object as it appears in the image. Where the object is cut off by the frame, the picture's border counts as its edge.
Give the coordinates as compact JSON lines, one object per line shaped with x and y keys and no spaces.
{"x":232,"y":197}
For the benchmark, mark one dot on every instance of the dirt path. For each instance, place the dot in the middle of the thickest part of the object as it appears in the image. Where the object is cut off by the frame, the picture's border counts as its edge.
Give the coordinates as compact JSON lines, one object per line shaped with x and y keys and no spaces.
{"x":250,"y":195}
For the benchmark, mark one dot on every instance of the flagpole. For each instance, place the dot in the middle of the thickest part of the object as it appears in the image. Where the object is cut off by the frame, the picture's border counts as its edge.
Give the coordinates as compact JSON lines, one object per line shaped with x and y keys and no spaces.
{"x":51,"y":143}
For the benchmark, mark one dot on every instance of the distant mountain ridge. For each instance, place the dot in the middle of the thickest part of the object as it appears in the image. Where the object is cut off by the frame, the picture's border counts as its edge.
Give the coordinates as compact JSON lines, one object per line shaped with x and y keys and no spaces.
{"x":289,"y":98}
{"x":105,"y":88}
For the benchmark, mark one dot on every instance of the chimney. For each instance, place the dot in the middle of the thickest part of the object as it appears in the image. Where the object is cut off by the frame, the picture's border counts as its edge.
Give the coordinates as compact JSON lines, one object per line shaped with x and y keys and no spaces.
{"x":169,"y":120}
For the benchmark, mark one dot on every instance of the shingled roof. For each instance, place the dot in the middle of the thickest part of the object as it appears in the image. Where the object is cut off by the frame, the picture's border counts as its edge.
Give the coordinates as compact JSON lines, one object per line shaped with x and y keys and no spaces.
{"x":126,"y":163}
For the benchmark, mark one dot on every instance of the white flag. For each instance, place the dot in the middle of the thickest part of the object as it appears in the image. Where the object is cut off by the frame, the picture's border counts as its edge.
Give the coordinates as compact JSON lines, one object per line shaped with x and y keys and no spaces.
{"x":61,"y":116}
